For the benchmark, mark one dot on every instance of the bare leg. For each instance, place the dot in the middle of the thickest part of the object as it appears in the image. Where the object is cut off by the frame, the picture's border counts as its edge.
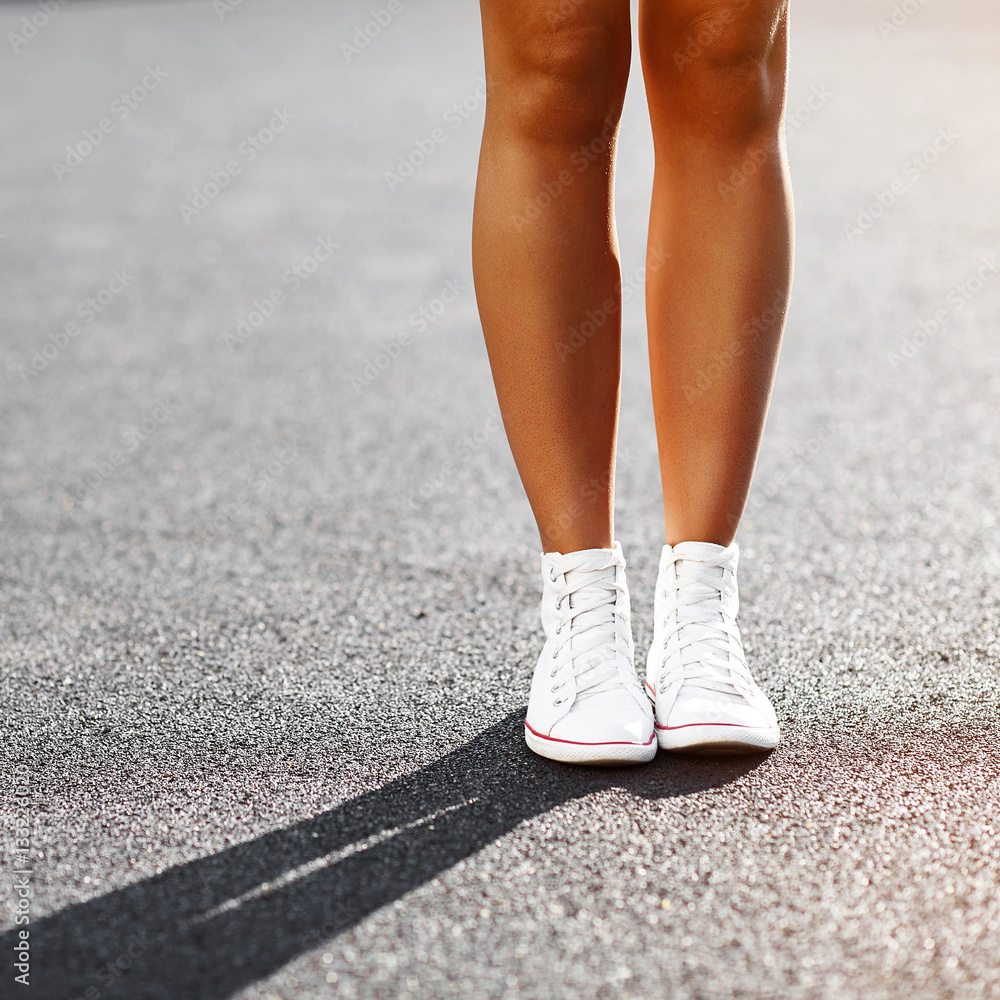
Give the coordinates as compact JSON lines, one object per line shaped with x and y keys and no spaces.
{"x":714,"y":73}
{"x":545,"y":253}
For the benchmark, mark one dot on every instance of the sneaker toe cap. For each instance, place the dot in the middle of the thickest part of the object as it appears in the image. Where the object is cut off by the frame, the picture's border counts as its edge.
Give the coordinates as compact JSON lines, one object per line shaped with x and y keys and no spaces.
{"x":618,"y":718}
{"x":695,"y":710}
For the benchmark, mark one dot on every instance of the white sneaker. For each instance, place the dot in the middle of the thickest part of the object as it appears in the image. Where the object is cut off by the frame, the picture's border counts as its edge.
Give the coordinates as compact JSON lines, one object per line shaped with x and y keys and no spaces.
{"x":696,"y":671}
{"x":586,"y":704}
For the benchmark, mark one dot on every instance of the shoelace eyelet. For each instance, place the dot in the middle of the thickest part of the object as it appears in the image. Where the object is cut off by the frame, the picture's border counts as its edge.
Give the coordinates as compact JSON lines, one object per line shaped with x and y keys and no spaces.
{"x":552,"y":576}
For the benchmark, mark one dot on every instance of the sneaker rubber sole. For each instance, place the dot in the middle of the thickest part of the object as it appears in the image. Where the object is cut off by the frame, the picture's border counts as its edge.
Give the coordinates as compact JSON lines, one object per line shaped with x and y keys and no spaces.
{"x":707,"y":738}
{"x":596,"y":754}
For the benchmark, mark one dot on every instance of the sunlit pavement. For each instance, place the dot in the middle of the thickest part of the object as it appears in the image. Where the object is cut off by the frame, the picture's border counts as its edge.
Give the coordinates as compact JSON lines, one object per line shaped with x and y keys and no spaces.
{"x":268,"y":584}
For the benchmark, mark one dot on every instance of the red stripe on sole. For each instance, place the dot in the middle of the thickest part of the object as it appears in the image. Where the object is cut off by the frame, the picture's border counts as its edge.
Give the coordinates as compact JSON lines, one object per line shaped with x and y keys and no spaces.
{"x":577,"y":743}
{"x":734,"y":725}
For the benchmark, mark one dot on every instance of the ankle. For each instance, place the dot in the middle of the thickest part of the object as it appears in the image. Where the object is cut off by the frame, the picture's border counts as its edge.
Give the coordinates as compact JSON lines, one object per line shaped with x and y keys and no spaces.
{"x":583,"y":542}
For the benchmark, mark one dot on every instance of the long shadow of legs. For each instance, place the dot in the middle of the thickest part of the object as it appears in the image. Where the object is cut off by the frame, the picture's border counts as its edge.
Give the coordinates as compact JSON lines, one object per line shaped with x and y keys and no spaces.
{"x":206,"y":929}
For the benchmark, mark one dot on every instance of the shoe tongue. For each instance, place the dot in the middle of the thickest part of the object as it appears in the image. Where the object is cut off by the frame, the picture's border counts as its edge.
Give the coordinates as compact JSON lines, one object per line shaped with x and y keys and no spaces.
{"x":699,"y":559}
{"x":699,"y":551}
{"x":715,"y":597}
{"x":597,"y":586}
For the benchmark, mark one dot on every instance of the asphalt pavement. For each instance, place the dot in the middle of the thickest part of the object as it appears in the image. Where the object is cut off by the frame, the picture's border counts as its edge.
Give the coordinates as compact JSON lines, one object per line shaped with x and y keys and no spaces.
{"x":268,"y":581}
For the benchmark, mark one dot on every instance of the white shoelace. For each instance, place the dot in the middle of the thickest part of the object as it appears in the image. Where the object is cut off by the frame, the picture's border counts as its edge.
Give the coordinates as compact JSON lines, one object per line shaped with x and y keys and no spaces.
{"x":698,"y":632}
{"x":590,"y":623}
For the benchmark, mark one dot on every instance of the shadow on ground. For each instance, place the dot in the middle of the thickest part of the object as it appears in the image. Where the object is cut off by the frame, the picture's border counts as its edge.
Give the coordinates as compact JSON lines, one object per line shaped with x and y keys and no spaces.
{"x":205,"y":930}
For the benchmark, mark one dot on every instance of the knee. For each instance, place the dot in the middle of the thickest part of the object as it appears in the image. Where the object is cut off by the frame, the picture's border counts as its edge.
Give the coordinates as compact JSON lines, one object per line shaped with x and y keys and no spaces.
{"x":720,"y":68}
{"x":563,"y":76}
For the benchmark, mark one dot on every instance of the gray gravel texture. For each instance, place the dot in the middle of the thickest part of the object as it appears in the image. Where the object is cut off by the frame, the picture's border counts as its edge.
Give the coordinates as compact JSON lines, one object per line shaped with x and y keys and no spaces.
{"x":267,"y":623}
